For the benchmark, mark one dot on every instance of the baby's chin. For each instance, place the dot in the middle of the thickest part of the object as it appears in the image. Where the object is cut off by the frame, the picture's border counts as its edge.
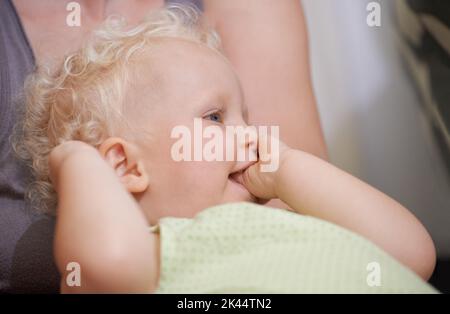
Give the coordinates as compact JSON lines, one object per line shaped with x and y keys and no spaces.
{"x":239,"y":193}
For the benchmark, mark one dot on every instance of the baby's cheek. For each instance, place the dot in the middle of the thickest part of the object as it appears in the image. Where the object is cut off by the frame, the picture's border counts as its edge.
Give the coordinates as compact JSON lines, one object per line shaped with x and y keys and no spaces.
{"x":209,"y":177}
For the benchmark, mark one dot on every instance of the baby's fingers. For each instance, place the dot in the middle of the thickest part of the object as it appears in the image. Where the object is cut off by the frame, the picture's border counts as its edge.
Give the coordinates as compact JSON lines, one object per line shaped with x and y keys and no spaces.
{"x":258,"y":183}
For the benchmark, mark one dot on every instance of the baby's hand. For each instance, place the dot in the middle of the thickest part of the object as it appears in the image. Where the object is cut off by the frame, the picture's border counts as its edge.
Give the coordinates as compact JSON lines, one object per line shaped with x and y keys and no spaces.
{"x":60,"y":153}
{"x":261,"y":178}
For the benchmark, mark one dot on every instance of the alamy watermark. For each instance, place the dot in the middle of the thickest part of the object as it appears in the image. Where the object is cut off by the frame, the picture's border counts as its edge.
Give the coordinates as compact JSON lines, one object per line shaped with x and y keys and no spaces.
{"x":73,"y":278}
{"x":235,"y":143}
{"x":374,"y":17}
{"x":373,"y":278}
{"x":73,"y":19}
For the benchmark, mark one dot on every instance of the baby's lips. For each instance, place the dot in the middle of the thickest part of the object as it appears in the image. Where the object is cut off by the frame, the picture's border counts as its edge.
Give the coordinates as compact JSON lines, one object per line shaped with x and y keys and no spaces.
{"x":238,"y":177}
{"x":238,"y":174}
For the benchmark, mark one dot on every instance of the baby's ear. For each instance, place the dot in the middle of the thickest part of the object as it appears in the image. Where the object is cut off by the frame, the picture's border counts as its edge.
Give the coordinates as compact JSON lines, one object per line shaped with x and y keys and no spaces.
{"x":123,"y":157}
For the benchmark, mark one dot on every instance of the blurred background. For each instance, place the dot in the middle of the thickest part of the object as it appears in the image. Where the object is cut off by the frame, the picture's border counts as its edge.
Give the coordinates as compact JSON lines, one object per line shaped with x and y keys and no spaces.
{"x":380,"y":119}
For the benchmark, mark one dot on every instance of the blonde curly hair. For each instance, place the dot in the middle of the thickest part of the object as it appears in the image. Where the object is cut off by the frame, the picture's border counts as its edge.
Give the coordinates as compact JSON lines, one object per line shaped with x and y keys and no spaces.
{"x":84,"y":99}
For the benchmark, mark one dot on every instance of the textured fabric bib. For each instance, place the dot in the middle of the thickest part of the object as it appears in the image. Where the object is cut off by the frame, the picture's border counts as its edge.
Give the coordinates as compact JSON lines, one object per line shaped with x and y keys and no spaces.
{"x":248,"y":248}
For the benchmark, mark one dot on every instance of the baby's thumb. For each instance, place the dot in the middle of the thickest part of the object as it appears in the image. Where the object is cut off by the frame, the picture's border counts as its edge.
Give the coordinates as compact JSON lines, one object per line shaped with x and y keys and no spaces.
{"x":253,"y":182}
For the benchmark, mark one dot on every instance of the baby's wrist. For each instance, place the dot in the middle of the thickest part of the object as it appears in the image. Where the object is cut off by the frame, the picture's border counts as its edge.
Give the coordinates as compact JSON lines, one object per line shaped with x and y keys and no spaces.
{"x":70,"y":149}
{"x":62,"y":156}
{"x":284,"y":157}
{"x":288,"y":157}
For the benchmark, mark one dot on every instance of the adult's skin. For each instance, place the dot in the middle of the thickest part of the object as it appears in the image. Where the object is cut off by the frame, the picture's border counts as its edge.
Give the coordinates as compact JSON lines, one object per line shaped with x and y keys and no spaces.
{"x":51,"y":38}
{"x":265,"y":40}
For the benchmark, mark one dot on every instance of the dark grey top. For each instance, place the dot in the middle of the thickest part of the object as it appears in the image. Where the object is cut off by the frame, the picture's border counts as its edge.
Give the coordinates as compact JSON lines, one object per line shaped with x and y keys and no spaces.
{"x":16,"y":221}
{"x":16,"y":61}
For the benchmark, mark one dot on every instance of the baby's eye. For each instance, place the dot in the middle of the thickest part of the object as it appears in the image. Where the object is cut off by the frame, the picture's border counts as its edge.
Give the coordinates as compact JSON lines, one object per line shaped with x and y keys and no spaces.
{"x":215,"y":117}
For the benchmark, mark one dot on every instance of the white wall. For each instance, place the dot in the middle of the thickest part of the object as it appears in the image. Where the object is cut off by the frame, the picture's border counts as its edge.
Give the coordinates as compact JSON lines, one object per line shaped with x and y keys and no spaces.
{"x":371,"y":114}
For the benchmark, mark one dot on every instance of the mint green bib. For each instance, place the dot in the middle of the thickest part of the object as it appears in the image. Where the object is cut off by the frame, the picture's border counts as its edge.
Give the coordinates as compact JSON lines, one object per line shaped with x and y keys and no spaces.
{"x":248,"y":248}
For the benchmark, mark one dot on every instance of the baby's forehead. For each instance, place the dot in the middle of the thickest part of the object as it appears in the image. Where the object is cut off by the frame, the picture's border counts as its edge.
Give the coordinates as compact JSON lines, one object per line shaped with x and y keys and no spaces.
{"x":170,"y":61}
{"x":170,"y":50}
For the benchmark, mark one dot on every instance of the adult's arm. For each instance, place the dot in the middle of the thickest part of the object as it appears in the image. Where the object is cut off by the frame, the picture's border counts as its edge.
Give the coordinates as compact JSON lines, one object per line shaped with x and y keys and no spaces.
{"x":267,"y":43}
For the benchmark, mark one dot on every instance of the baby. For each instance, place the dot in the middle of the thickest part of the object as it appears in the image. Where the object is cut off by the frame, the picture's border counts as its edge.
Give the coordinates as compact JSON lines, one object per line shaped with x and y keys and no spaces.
{"x":98,"y":133}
